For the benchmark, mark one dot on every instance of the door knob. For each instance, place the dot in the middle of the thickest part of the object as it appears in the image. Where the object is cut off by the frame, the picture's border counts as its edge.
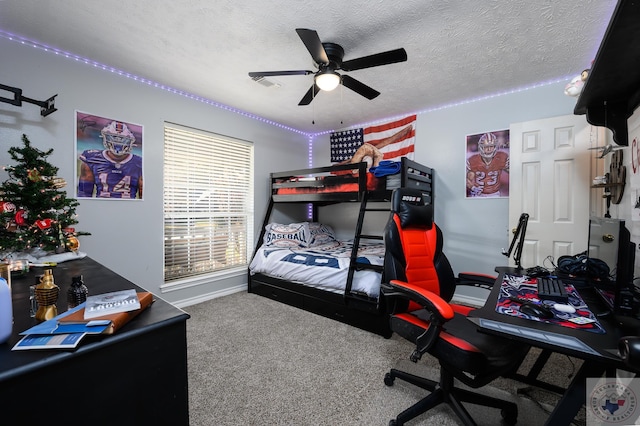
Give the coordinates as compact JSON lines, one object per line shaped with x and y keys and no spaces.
{"x":607,"y":238}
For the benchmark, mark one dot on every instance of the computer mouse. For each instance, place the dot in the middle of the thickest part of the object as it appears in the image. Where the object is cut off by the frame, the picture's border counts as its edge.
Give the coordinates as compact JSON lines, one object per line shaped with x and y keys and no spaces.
{"x":561,"y":307}
{"x":534,"y":310}
{"x":537,"y":271}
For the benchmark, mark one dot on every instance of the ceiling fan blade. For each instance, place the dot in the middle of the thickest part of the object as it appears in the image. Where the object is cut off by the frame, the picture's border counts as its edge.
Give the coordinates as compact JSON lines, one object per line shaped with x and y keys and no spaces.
{"x":274,"y":73}
{"x":314,"y":45}
{"x":384,"y":58}
{"x":308,"y":97}
{"x":359,"y":88}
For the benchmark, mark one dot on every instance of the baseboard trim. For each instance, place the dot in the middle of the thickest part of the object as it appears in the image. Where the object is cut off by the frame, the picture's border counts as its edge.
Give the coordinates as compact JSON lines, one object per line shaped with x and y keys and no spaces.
{"x":209,"y":296}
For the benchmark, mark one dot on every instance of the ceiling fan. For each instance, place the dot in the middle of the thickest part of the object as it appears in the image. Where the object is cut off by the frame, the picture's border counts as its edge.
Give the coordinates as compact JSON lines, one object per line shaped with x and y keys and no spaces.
{"x":328,"y":57}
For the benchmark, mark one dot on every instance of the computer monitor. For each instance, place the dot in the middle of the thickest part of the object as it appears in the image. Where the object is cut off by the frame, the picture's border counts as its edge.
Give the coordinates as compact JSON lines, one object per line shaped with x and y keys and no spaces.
{"x":610,"y":243}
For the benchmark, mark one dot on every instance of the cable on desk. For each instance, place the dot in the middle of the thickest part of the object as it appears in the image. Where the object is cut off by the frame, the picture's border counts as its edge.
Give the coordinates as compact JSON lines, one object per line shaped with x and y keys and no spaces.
{"x":550,"y":259}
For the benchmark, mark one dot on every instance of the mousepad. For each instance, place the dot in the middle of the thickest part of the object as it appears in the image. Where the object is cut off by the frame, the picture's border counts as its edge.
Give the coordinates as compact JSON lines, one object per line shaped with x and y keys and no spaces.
{"x":524,"y":287}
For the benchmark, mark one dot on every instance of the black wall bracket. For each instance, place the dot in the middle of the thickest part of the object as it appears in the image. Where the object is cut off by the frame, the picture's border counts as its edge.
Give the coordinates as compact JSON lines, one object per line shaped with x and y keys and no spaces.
{"x":46,"y":107}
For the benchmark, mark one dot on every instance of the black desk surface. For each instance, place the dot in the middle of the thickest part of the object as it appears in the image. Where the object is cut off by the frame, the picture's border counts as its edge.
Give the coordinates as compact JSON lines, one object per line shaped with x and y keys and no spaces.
{"x":98,"y":279}
{"x":574,"y":342}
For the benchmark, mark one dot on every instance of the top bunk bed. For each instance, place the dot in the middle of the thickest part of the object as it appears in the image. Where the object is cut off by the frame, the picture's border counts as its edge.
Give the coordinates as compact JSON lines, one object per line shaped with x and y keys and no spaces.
{"x":350,"y":182}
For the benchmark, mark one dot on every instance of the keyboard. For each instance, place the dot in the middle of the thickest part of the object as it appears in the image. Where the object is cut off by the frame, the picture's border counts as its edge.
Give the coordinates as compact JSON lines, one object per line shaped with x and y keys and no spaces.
{"x":552,"y":289}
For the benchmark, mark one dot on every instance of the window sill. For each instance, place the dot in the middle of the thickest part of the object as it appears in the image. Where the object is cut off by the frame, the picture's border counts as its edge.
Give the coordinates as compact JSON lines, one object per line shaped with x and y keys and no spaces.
{"x":203,"y":279}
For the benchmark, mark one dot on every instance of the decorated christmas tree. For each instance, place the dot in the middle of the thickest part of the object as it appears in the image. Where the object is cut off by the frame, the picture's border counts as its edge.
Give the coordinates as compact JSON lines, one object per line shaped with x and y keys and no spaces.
{"x":34,"y":212}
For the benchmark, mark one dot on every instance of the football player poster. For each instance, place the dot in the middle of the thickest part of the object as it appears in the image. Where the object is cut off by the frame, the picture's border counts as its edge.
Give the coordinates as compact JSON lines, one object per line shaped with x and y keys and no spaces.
{"x":109,"y":158}
{"x":487,"y":171}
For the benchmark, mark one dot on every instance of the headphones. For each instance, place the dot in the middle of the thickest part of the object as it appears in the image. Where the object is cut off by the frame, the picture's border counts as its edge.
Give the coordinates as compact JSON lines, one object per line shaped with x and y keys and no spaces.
{"x":581,"y":265}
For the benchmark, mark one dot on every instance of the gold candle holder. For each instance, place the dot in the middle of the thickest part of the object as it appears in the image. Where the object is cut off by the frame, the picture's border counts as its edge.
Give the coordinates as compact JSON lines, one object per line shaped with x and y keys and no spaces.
{"x":47,"y":296}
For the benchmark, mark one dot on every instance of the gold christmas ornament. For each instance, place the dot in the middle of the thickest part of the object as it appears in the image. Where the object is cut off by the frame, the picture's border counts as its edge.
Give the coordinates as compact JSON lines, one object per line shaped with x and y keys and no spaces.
{"x":72,"y":243}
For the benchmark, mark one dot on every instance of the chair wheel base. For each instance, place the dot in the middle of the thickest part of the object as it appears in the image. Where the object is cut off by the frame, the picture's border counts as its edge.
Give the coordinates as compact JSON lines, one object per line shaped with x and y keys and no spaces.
{"x":388,"y":379}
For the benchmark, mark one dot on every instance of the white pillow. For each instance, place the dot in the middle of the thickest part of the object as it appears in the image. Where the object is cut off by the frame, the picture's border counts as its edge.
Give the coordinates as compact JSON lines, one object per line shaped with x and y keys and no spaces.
{"x":320,"y":234}
{"x":293,"y":235}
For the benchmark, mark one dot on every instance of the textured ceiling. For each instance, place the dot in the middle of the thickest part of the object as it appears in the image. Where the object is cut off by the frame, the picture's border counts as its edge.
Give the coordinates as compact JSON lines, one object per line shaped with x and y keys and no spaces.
{"x":457,"y":50}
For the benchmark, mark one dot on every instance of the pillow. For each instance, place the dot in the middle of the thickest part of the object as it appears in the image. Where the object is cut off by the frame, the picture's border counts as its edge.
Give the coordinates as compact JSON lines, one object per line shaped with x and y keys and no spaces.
{"x":320,"y":234}
{"x":294,"y":235}
{"x":414,"y":216}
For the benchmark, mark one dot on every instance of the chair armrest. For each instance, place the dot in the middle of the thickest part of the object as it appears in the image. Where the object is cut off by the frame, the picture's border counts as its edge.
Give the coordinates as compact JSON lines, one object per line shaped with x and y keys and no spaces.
{"x":439,"y":312}
{"x":474,"y":279}
{"x":428,"y":299}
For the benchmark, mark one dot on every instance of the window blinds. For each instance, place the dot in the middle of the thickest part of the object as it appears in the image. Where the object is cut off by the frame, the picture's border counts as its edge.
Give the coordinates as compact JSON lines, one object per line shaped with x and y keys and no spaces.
{"x":208,"y":202}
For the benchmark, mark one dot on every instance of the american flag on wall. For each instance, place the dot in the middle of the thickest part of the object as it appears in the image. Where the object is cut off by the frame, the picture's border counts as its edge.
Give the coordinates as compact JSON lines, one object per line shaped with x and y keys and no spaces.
{"x":394,"y":139}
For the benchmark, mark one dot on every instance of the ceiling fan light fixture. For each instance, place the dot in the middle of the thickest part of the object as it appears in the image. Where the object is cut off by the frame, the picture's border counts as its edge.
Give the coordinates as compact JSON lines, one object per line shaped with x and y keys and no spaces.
{"x":327,"y":80}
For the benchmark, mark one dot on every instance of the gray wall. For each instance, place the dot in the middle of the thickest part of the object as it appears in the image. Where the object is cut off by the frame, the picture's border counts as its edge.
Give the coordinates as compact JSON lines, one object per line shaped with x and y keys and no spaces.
{"x":475,"y":230}
{"x":127,"y":235}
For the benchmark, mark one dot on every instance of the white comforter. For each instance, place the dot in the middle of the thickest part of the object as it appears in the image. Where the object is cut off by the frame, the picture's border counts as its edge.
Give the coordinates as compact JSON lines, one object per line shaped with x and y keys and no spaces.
{"x":325,"y":266}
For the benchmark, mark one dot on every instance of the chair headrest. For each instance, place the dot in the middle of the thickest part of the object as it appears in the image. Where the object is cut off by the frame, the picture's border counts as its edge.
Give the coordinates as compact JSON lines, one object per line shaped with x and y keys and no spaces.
{"x":409,"y":205}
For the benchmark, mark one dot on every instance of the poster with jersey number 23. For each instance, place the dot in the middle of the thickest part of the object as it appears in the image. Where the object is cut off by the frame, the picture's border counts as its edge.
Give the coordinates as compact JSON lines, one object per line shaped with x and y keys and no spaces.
{"x":487,"y":169}
{"x":109,"y":158}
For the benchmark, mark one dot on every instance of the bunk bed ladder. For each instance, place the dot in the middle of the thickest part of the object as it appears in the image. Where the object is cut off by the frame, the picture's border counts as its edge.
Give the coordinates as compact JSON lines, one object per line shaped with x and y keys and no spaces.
{"x":354,"y":265}
{"x":267,"y":218}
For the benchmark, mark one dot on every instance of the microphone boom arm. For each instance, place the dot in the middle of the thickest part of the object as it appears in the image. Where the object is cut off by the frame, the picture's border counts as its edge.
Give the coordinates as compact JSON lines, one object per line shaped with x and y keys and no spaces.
{"x":521,"y":230}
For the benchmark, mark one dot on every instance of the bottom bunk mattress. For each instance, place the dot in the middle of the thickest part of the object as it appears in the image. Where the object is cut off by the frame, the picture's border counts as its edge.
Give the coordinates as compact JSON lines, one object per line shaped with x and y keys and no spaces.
{"x":324,"y":266}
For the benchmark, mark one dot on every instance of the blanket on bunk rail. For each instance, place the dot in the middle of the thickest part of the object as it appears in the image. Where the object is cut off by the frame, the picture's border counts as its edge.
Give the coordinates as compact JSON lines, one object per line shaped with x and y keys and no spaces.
{"x":331,"y":184}
{"x":324,"y":266}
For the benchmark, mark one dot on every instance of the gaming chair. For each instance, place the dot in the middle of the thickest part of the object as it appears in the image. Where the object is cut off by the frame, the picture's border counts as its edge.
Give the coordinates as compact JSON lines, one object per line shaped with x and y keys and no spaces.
{"x":418,"y":285}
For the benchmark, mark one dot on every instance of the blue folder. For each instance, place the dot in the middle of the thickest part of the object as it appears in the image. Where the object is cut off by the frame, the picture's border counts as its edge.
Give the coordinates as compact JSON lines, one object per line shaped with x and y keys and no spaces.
{"x":53,"y":326}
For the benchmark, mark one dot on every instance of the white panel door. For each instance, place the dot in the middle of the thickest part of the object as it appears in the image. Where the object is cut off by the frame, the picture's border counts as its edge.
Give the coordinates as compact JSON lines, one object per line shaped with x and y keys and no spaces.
{"x":550,"y":179}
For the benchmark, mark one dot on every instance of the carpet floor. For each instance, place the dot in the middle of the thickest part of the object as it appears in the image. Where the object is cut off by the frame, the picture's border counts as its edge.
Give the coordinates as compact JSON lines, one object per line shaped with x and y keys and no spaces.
{"x":254,"y":361}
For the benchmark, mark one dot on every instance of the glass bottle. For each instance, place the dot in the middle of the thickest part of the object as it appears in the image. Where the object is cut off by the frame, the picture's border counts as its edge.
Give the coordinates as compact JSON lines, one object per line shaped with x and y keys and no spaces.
{"x":77,"y":292}
{"x":33,"y":302}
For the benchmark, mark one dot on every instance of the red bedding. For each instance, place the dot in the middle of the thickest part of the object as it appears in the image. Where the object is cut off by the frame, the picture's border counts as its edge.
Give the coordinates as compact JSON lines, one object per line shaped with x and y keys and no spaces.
{"x":332,"y":185}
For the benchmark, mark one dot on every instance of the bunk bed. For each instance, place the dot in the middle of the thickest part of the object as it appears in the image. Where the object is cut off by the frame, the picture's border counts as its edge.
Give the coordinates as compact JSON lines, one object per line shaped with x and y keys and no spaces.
{"x":304,"y":264}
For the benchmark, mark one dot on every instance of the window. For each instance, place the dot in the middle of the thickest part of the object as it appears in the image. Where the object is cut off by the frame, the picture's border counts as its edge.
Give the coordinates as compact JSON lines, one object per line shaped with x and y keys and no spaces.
{"x":208,"y":202}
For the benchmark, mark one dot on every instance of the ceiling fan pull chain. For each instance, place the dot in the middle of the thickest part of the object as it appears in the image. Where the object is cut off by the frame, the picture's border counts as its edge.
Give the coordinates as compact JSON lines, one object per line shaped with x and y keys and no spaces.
{"x":341,"y":103}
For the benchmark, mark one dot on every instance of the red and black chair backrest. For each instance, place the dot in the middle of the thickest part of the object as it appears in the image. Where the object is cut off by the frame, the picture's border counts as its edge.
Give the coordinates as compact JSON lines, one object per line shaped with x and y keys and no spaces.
{"x":414,"y":247}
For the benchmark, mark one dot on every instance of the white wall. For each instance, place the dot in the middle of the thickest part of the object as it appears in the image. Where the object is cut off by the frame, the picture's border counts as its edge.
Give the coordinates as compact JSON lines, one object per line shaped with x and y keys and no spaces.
{"x":475,"y":230}
{"x":127,"y":235}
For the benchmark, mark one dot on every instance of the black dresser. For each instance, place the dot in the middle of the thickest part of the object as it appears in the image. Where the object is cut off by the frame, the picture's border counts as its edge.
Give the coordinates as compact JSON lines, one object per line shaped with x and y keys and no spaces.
{"x":136,"y":376}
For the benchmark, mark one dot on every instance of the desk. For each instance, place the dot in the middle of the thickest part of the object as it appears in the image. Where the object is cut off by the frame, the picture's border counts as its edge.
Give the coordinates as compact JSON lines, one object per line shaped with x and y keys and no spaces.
{"x":598,"y":351}
{"x":136,"y":376}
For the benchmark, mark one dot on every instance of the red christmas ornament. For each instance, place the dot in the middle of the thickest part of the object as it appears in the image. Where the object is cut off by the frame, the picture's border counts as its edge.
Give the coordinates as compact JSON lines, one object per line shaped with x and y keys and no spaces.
{"x":21,"y":217}
{"x":6,"y":207}
{"x":43,"y":224}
